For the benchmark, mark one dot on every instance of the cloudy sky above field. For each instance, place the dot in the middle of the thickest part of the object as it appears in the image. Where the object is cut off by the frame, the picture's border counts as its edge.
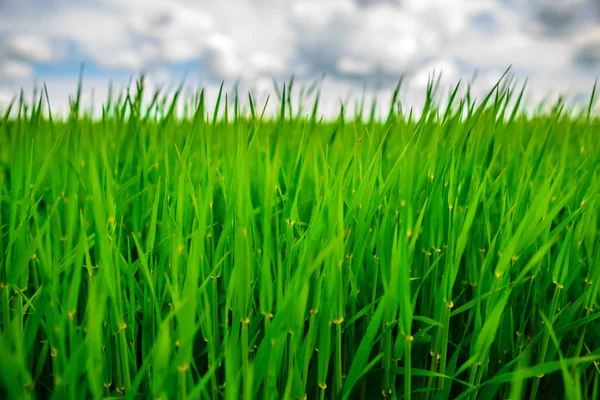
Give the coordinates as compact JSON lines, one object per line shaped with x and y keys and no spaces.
{"x":555,"y":44}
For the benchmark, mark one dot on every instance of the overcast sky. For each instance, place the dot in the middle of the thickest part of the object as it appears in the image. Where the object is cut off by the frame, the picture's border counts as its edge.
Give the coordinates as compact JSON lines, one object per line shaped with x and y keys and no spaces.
{"x":555,"y":44}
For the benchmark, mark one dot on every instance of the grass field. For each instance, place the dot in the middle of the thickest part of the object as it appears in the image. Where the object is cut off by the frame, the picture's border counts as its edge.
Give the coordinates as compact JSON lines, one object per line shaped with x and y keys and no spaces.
{"x":228,"y":253}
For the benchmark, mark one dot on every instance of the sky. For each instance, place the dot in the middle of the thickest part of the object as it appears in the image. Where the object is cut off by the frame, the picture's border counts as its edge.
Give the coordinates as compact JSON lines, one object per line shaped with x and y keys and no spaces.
{"x":360,"y":46}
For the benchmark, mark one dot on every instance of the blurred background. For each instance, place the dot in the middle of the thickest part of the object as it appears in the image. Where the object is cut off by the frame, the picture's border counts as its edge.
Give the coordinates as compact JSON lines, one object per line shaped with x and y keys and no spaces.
{"x":359,"y":45}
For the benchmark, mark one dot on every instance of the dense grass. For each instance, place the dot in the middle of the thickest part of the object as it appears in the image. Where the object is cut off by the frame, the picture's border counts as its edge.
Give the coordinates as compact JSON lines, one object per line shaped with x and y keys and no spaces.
{"x":450,"y":255}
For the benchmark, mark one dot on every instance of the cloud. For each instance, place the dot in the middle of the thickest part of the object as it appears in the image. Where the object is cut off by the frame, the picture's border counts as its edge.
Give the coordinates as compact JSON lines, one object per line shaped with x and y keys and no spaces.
{"x":30,"y":47}
{"x":353,"y":66}
{"x":11,"y":69}
{"x":6,"y":96}
{"x":556,"y":18}
{"x":380,"y":39}
{"x":586,"y":52}
{"x":588,"y":56}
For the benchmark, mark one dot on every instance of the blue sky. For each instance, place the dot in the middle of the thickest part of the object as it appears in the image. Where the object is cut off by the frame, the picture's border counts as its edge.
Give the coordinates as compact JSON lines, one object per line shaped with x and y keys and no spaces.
{"x":554,"y":44}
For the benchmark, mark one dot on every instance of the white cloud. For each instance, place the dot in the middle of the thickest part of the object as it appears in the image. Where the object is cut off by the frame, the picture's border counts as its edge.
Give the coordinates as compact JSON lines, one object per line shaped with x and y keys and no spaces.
{"x":317,"y":13}
{"x":31,"y":47}
{"x":11,"y":69}
{"x":6,"y":96}
{"x":267,"y":62}
{"x":349,"y":65}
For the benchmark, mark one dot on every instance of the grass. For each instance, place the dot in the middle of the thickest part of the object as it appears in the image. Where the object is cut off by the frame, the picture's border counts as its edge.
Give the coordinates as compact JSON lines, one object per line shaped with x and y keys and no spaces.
{"x":227,"y":253}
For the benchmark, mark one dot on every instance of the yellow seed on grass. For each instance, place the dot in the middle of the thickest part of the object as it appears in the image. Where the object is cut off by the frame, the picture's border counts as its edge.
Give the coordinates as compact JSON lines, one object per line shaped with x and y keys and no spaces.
{"x":582,"y":203}
{"x":182,"y":368}
{"x":409,"y":233}
{"x":313,"y":311}
{"x":410,"y":338}
{"x":323,"y":386}
{"x":180,"y":249}
{"x":53,"y":352}
{"x":123,"y":327}
{"x":338,"y":321}
{"x":246,"y":321}
{"x":402,"y":203}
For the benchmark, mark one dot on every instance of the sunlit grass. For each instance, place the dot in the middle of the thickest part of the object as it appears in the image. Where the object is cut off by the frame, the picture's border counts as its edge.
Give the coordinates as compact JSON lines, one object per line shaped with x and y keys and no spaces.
{"x":453,"y":254}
